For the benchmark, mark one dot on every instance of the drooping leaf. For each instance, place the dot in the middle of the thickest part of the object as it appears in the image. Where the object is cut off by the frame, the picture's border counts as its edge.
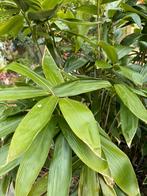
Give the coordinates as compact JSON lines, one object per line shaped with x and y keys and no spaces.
{"x":82,"y":123}
{"x":110,"y":51}
{"x":60,"y":170}
{"x":88,"y":184}
{"x":26,"y":71}
{"x":129,"y":124}
{"x":14,"y":93}
{"x":79,"y":86}
{"x":120,"y":168}
{"x":50,"y":69}
{"x":83,"y":151}
{"x":131,"y":101}
{"x":34,"y":159}
{"x":39,"y":187}
{"x":31,"y":125}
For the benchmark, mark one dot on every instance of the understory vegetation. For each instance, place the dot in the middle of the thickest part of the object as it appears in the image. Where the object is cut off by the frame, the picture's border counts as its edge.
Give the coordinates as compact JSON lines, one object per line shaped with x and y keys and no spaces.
{"x":73,"y":97}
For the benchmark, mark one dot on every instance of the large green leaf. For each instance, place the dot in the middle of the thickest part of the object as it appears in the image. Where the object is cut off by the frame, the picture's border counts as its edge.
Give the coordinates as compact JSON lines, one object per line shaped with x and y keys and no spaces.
{"x":129,"y":124}
{"x":79,"y":86}
{"x":83,"y":151}
{"x":82,"y":123}
{"x":31,"y":125}
{"x":39,"y":187}
{"x":26,"y":71}
{"x":60,"y":170}
{"x":120,"y":167}
{"x":110,"y":51}
{"x":34,"y":159}
{"x":88,"y":184}
{"x":50,"y":69}
{"x":14,"y":93}
{"x":12,"y":26}
{"x":131,"y":101}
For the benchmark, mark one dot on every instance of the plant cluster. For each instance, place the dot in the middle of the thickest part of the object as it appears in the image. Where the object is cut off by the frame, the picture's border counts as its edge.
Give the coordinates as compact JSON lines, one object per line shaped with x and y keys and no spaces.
{"x":71,"y":123}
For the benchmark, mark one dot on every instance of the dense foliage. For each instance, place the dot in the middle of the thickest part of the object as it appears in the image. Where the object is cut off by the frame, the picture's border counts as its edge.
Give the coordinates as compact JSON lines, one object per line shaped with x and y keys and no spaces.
{"x":73,"y":119}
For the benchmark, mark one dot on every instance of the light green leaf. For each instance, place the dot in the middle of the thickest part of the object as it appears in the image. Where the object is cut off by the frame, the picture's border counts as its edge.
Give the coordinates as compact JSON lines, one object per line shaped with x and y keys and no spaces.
{"x":88,"y":184}
{"x":131,"y":75}
{"x":131,"y":101}
{"x":31,"y":125}
{"x":82,"y":123}
{"x":11,"y":26}
{"x":83,"y":151}
{"x":122,"y":51}
{"x":135,"y":18}
{"x":79,"y":86}
{"x":14,"y":93}
{"x":120,"y":168}
{"x":50,"y":69}
{"x":129,"y":124}
{"x":34,"y":159}
{"x":39,"y":187}
{"x":26,"y":71}
{"x":60,"y":171}
{"x":4,"y":185}
{"x":110,"y":51}
{"x":102,"y":64}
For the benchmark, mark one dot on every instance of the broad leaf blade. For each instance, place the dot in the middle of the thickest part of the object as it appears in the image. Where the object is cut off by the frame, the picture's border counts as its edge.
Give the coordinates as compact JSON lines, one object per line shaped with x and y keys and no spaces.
{"x":34,"y":159}
{"x":31,"y":125}
{"x":15,"y":93}
{"x":129,"y":124}
{"x":120,"y":167}
{"x":88,"y":184}
{"x":79,"y":86}
{"x":131,"y":101}
{"x":83,"y":151}
{"x":60,"y":171}
{"x":26,"y":71}
{"x":82,"y":123}
{"x":50,"y":69}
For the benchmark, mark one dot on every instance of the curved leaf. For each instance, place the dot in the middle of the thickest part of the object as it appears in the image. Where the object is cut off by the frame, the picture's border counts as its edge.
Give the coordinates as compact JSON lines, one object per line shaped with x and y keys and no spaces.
{"x":82,"y":123}
{"x":120,"y":167}
{"x":131,"y":101}
{"x":26,"y":71}
{"x":83,"y":151}
{"x":34,"y":159}
{"x":31,"y":125}
{"x":79,"y":86}
{"x":60,"y":170}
